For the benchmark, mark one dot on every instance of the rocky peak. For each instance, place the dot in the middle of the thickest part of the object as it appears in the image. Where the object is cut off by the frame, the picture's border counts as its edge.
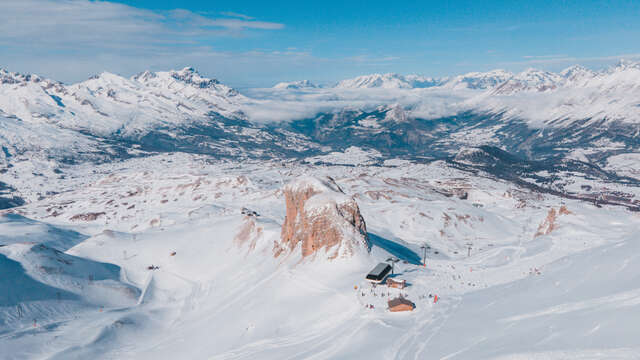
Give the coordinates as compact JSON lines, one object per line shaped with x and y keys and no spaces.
{"x":420,"y":82}
{"x":7,"y":77}
{"x":577,"y":72}
{"x":145,"y":76}
{"x":187,"y":76}
{"x":190,"y":76}
{"x":396,"y":113}
{"x":322,"y":220}
{"x":481,"y":80}
{"x":625,"y":64}
{"x":300,"y":84}
{"x":530,"y":80}
{"x":387,"y":81}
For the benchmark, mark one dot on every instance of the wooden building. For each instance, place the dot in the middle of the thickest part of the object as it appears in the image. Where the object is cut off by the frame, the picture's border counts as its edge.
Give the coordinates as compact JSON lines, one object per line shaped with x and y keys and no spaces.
{"x":398,"y":284}
{"x":400,"y":304}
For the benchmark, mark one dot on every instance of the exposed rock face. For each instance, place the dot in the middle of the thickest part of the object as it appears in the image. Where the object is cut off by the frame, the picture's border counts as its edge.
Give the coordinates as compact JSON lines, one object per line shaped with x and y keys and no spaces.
{"x":87,"y":216}
{"x":249,"y":233}
{"x":549,"y":223}
{"x":322,"y":219}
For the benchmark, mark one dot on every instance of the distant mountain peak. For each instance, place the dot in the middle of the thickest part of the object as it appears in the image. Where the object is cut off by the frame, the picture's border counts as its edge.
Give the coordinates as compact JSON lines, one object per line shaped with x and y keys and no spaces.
{"x":300,"y":84}
{"x":144,"y":76}
{"x":190,"y":76}
{"x":8,"y":77}
{"x":388,"y":81}
{"x":625,"y":64}
{"x":480,"y":80}
{"x":574,"y":68}
{"x":186,"y":76}
{"x":577,"y":72}
{"x":530,"y":79}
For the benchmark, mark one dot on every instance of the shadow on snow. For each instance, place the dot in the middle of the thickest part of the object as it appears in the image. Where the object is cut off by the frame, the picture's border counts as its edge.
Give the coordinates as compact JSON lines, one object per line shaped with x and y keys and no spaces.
{"x":398,"y":250}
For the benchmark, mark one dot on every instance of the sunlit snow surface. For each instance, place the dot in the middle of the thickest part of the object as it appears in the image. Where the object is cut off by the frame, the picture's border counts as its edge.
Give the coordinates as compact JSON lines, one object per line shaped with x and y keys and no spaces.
{"x":75,"y":280}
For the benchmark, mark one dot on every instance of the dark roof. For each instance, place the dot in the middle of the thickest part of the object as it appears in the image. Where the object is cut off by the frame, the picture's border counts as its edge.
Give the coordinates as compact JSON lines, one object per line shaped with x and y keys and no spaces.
{"x":400,"y":301}
{"x":380,"y":270}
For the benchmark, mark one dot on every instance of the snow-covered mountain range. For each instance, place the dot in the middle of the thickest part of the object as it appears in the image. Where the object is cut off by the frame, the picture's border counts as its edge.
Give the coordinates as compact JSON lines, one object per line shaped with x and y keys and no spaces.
{"x":577,"y":114}
{"x":167,"y":215}
{"x":389,"y":81}
{"x":109,"y":104}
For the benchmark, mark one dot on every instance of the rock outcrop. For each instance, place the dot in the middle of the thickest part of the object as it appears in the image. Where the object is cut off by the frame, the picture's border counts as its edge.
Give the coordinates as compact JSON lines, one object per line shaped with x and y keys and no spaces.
{"x":249,"y":233}
{"x":549,"y":223}
{"x":322,"y":220}
{"x":92,"y":216}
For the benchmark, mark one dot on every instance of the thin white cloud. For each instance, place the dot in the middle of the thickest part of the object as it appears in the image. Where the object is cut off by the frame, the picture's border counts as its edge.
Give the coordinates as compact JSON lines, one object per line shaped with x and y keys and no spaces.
{"x":186,"y":17}
{"x":564,"y":59}
{"x":273,"y":105}
{"x":370,"y":60}
{"x":100,"y":24}
{"x":555,"y":56}
{"x":71,"y":39}
{"x":237,"y":15}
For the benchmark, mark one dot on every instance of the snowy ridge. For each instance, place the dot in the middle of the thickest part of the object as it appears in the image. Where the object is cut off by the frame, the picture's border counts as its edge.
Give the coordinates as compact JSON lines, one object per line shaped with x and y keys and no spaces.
{"x":301,"y":84}
{"x":577,"y":73}
{"x":108,"y":103}
{"x":388,"y":81}
{"x":576,"y":94}
{"x":479,"y":80}
{"x":529,"y":80}
{"x":473,"y":80}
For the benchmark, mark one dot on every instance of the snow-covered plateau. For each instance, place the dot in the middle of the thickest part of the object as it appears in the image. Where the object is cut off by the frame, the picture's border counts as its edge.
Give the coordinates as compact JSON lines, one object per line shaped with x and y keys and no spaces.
{"x":168,"y":216}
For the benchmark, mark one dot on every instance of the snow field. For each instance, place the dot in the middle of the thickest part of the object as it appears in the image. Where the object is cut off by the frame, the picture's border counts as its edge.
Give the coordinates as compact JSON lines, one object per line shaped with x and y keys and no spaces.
{"x":571,"y":293}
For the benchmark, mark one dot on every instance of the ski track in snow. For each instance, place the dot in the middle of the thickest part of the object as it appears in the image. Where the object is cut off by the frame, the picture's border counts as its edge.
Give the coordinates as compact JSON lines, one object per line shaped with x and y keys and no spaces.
{"x":624,"y":299}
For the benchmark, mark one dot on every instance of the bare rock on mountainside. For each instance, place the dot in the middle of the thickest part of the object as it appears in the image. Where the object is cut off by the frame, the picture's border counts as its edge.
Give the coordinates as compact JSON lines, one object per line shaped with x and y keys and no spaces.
{"x":92,"y":216}
{"x":549,"y":223}
{"x":250,"y":233}
{"x":321,"y":217}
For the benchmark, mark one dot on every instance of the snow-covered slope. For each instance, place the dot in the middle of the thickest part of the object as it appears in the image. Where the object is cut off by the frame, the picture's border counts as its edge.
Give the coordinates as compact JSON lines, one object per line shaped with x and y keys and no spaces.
{"x":109,"y":104}
{"x":17,"y":136}
{"x":351,"y":156}
{"x":148,"y":100}
{"x":542,"y":97}
{"x":144,"y":215}
{"x":160,"y":273}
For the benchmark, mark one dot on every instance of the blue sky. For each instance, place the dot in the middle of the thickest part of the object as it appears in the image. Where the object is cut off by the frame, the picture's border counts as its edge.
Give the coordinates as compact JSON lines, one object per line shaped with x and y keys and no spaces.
{"x":258,"y":43}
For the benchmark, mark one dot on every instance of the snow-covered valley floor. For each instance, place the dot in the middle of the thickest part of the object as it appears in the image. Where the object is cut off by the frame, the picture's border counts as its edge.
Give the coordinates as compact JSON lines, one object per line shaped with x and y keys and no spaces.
{"x":518,"y":275}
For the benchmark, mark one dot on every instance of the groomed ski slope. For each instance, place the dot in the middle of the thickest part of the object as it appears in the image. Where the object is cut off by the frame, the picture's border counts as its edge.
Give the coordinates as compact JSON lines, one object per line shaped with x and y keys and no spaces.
{"x":570,"y":294}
